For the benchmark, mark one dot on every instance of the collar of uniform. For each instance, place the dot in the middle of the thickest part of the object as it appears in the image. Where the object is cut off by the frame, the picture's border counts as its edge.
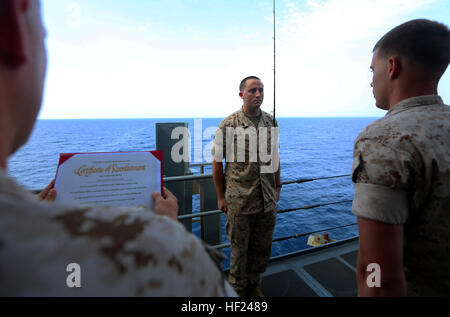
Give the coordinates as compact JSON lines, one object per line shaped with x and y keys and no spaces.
{"x":243,"y":120}
{"x":415,"y":102}
{"x":266,"y":119}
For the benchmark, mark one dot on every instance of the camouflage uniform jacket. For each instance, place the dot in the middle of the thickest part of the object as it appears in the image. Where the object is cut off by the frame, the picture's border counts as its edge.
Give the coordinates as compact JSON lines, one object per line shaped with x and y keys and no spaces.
{"x":250,"y":165}
{"x":121,"y":252}
{"x":401,"y":171}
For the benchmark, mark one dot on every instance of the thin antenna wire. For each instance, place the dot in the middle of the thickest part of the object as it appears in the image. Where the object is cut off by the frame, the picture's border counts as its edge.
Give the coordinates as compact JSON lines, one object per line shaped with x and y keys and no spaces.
{"x":274,"y":62}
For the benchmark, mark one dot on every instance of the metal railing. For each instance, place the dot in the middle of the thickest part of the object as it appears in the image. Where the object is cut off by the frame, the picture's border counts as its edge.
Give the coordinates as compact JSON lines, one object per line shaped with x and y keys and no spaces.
{"x":201,"y":165}
{"x":203,"y":176}
{"x":215,"y":212}
{"x":294,"y":236}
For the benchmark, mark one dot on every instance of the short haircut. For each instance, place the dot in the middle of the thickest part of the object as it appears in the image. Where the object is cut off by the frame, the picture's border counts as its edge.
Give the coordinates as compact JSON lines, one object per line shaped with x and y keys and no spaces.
{"x":244,"y":82}
{"x":9,"y":37}
{"x":423,"y":41}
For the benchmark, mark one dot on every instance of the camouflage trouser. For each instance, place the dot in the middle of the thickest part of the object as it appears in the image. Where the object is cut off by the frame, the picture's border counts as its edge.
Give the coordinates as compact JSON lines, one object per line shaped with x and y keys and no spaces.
{"x":251,"y":245}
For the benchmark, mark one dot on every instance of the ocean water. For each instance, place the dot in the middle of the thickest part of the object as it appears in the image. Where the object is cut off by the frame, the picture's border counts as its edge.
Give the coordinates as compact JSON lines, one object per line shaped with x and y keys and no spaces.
{"x":309,"y":148}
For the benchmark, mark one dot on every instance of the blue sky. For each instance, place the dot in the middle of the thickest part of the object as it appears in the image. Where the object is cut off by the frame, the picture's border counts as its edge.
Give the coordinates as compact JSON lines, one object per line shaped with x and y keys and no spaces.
{"x":185,"y":58}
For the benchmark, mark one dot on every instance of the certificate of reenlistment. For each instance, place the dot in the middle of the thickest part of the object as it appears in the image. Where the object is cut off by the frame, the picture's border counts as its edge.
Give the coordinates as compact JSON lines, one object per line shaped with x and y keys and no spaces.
{"x":124,"y":179}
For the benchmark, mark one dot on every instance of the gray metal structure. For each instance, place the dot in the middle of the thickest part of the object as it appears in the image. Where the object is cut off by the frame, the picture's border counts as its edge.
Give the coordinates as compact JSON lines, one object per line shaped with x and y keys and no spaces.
{"x":178,"y":178}
{"x":183,"y":189}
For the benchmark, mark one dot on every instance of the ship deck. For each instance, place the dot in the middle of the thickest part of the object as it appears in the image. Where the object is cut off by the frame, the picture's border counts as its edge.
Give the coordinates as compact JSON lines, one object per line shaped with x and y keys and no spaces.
{"x":325,"y":271}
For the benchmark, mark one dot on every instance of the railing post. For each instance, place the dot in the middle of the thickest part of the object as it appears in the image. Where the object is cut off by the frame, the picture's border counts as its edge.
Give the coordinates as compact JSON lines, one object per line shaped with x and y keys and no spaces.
{"x":211,"y":227}
{"x":183,"y":189}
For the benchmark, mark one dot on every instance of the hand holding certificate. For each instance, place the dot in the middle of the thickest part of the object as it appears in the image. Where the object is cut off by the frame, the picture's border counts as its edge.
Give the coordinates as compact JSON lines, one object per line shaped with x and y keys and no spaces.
{"x":121,"y":179}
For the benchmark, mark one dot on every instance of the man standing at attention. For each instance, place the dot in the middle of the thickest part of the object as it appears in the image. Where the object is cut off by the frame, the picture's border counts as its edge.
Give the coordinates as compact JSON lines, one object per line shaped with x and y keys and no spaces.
{"x":249,"y":189}
{"x":401,"y":168}
{"x":118,"y":251}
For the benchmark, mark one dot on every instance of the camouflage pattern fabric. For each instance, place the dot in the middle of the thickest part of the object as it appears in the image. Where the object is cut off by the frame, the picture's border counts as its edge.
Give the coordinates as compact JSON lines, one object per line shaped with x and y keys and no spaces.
{"x":121,"y":251}
{"x":401,"y":172}
{"x":249,"y":170}
{"x":251,"y":160}
{"x":251,"y":244}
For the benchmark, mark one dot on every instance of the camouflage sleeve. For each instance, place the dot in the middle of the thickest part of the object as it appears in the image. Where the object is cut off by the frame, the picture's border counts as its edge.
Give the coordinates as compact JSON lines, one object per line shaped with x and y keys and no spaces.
{"x":218,"y":146}
{"x":380,"y":174}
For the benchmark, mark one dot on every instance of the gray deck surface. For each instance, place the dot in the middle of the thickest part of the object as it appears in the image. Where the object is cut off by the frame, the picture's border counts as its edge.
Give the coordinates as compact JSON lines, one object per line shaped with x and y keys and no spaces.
{"x":326,"y":272}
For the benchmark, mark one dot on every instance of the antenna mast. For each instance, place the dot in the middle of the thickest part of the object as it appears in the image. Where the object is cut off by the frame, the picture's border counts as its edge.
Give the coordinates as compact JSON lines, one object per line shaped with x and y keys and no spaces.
{"x":274,"y":62}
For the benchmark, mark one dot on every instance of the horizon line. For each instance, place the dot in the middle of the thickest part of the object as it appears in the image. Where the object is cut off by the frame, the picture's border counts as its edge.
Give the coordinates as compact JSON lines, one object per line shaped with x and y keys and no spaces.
{"x":174,"y":118}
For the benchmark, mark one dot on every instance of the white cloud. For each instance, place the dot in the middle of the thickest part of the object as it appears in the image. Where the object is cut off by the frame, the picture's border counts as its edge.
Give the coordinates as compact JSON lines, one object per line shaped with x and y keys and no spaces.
{"x":140,"y":70}
{"x":325,"y":51}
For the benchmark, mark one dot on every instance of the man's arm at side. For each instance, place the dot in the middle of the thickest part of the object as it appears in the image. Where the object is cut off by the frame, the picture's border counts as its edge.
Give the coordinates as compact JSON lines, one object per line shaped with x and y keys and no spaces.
{"x":381,"y":243}
{"x":217,"y":171}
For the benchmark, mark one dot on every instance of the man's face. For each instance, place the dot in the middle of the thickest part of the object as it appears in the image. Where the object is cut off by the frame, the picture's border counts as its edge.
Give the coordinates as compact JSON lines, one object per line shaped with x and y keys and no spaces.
{"x":253,"y":94}
{"x":32,"y":84}
{"x":380,"y":81}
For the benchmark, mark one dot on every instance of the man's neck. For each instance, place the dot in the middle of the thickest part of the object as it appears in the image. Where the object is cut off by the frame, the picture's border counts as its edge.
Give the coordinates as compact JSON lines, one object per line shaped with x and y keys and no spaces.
{"x":251,"y":112}
{"x":408,"y":88}
{"x":396,"y":98}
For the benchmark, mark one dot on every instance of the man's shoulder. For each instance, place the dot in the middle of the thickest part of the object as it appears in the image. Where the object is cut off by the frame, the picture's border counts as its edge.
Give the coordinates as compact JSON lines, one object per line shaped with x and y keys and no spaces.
{"x":408,"y":125}
{"x":121,"y":251}
{"x":231,"y":120}
{"x":372,"y":130}
{"x":93,"y":226}
{"x":268,"y":119}
{"x":266,"y":115}
{"x":234,"y":119}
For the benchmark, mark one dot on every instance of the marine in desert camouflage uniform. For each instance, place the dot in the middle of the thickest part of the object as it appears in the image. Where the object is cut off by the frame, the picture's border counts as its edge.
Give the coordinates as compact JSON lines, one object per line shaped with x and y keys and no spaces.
{"x":121,"y":252}
{"x":401,"y":167}
{"x":249,"y":189}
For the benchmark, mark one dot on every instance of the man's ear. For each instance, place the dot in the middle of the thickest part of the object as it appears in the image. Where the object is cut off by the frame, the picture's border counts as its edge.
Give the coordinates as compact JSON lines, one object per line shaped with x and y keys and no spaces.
{"x":12,"y":27}
{"x":394,"y":67}
{"x":241,"y":94}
